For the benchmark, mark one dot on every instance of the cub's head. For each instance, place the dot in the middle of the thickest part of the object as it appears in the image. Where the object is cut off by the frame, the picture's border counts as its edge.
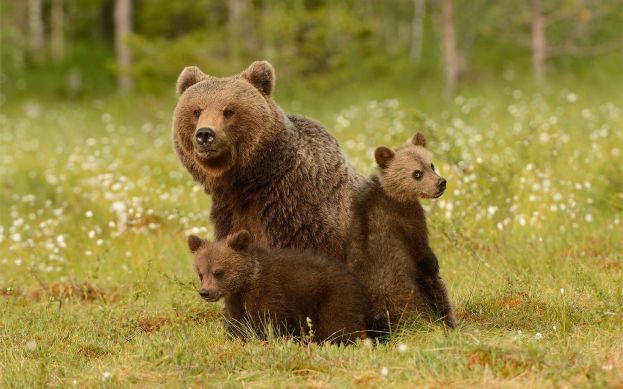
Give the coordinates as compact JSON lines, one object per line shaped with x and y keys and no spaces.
{"x":407,"y":173}
{"x":219,"y":122}
{"x":223,"y":267}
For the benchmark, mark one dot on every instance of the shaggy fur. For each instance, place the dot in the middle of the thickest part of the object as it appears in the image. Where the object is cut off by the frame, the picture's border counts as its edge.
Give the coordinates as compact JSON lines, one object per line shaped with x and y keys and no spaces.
{"x":282,"y":177}
{"x":389,"y":250}
{"x":282,"y":287}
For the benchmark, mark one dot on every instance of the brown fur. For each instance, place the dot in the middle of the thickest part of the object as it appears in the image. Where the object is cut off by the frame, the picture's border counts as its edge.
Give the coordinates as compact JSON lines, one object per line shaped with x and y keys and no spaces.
{"x":389,"y":250}
{"x":281,"y":177}
{"x":283,"y":287}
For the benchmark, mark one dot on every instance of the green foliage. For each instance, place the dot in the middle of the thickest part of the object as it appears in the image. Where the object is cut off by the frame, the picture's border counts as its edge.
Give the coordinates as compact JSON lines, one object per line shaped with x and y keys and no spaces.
{"x":318,"y":44}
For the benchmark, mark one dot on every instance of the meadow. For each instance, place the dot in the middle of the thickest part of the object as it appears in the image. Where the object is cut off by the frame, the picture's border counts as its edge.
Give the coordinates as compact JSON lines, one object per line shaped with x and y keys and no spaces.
{"x":97,"y":289}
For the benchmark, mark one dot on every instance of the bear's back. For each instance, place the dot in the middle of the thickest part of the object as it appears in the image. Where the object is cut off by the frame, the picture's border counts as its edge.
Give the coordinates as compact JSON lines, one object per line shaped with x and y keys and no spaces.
{"x":294,"y":282}
{"x":386,"y":237}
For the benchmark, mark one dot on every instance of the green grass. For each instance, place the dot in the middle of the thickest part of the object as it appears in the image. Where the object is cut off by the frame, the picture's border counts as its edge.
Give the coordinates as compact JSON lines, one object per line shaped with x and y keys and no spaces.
{"x":96,"y":285}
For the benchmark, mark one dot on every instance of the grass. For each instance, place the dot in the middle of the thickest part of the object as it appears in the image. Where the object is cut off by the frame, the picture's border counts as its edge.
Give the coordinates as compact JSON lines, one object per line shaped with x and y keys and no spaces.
{"x":96,"y":286}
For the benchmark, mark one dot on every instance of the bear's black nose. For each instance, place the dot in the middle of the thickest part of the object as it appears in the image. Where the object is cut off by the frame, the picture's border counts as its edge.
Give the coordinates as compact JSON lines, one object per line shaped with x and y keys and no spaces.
{"x":205,"y":136}
{"x":442,"y":183}
{"x":204,"y":293}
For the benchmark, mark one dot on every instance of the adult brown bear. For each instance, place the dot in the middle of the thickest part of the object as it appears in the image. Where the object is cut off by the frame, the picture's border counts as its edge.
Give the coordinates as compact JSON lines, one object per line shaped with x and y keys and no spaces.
{"x":282,"y":177}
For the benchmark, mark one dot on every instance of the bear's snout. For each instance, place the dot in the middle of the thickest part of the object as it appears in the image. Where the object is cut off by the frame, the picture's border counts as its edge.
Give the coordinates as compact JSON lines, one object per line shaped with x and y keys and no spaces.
{"x":206,"y":295}
{"x":442,"y":184}
{"x":205,"y":136}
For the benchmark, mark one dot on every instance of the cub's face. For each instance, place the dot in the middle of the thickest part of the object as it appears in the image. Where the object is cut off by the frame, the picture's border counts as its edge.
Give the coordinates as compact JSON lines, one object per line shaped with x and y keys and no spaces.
{"x":408,"y":173}
{"x":218,"y":122}
{"x":222,"y":267}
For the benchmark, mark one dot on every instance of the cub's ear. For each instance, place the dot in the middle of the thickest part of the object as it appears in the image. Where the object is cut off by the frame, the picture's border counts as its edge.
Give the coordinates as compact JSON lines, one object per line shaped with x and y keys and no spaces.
{"x":383,"y":156}
{"x":189,"y":77}
{"x":261,"y":75}
{"x":194,"y":243}
{"x":419,"y":139}
{"x":240,"y":240}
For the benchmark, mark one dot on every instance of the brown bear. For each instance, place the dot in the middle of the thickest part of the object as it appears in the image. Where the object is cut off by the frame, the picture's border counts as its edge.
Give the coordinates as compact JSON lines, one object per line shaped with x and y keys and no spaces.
{"x":294,"y":291}
{"x":388,"y":249}
{"x":282,"y":177}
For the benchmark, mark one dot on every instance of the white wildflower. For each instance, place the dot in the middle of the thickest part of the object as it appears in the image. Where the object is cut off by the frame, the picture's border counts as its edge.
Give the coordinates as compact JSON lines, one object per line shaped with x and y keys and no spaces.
{"x":31,"y":345}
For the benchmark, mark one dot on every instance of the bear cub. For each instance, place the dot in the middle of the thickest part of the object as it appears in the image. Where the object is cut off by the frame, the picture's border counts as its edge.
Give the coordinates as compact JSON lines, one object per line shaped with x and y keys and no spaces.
{"x":283,"y":287}
{"x":389,"y":250}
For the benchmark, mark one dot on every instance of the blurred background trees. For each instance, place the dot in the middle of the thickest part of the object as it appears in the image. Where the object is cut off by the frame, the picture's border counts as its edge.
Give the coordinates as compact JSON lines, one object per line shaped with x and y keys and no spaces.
{"x":90,"y":47}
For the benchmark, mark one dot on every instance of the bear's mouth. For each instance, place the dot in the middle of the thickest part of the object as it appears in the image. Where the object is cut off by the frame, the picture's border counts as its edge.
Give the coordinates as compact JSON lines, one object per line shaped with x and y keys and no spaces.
{"x":212,"y":299}
{"x":213,"y":158}
{"x":438,"y":194}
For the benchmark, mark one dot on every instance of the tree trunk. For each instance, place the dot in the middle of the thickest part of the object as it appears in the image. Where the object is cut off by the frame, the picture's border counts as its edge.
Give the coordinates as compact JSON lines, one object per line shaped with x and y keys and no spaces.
{"x":57,"y":33}
{"x":35,"y":27}
{"x":417,"y":30}
{"x":451,"y":60}
{"x":123,"y":29}
{"x":539,"y":42}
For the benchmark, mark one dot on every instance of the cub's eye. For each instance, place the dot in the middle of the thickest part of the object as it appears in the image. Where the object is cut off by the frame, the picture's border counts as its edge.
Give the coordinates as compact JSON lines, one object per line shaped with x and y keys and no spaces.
{"x":200,"y":277}
{"x":218,"y":273}
{"x":418,"y":175}
{"x":432,"y":166}
{"x":197,"y":113}
{"x":228,"y":113}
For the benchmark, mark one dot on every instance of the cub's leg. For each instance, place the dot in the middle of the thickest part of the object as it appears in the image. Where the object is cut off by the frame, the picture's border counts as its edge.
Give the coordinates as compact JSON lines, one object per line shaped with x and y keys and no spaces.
{"x":443,"y":305}
{"x":432,"y":284}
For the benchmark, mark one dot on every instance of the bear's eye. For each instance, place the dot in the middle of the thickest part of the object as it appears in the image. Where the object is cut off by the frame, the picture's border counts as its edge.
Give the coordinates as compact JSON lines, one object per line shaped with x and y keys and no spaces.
{"x":197,"y":113}
{"x":432,"y":166}
{"x":418,"y":175}
{"x":228,"y":113}
{"x":200,"y":277}
{"x":218,"y":273}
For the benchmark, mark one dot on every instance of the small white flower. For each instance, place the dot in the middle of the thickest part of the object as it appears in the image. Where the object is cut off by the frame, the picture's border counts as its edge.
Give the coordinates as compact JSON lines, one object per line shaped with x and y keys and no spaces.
{"x":588,"y":217}
{"x":99,"y":242}
{"x":88,"y":214}
{"x":572,"y":97}
{"x":31,"y":345}
{"x":384,"y":371}
{"x":18,"y":261}
{"x":402,"y":347}
{"x":562,"y":291}
{"x":106,"y":376}
{"x":538,"y":335}
{"x":60,"y":240}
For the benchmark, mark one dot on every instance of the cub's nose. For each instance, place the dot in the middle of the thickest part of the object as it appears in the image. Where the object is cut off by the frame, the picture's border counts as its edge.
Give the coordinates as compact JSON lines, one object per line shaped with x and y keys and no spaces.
{"x":204,"y":293}
{"x":442,"y":183}
{"x":205,"y":136}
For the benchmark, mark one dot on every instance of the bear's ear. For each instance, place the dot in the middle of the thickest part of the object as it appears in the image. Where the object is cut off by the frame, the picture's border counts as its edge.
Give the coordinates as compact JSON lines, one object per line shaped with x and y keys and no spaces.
{"x":419,"y":139}
{"x":240,"y":240}
{"x":189,"y":77}
{"x":194,"y":243}
{"x":383,"y":156}
{"x":261,"y":75}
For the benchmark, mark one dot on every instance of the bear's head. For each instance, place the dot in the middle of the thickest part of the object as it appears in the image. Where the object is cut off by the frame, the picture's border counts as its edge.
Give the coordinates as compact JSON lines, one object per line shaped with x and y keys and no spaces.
{"x":224,"y":267}
{"x":219,"y":122}
{"x":407,"y":173}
